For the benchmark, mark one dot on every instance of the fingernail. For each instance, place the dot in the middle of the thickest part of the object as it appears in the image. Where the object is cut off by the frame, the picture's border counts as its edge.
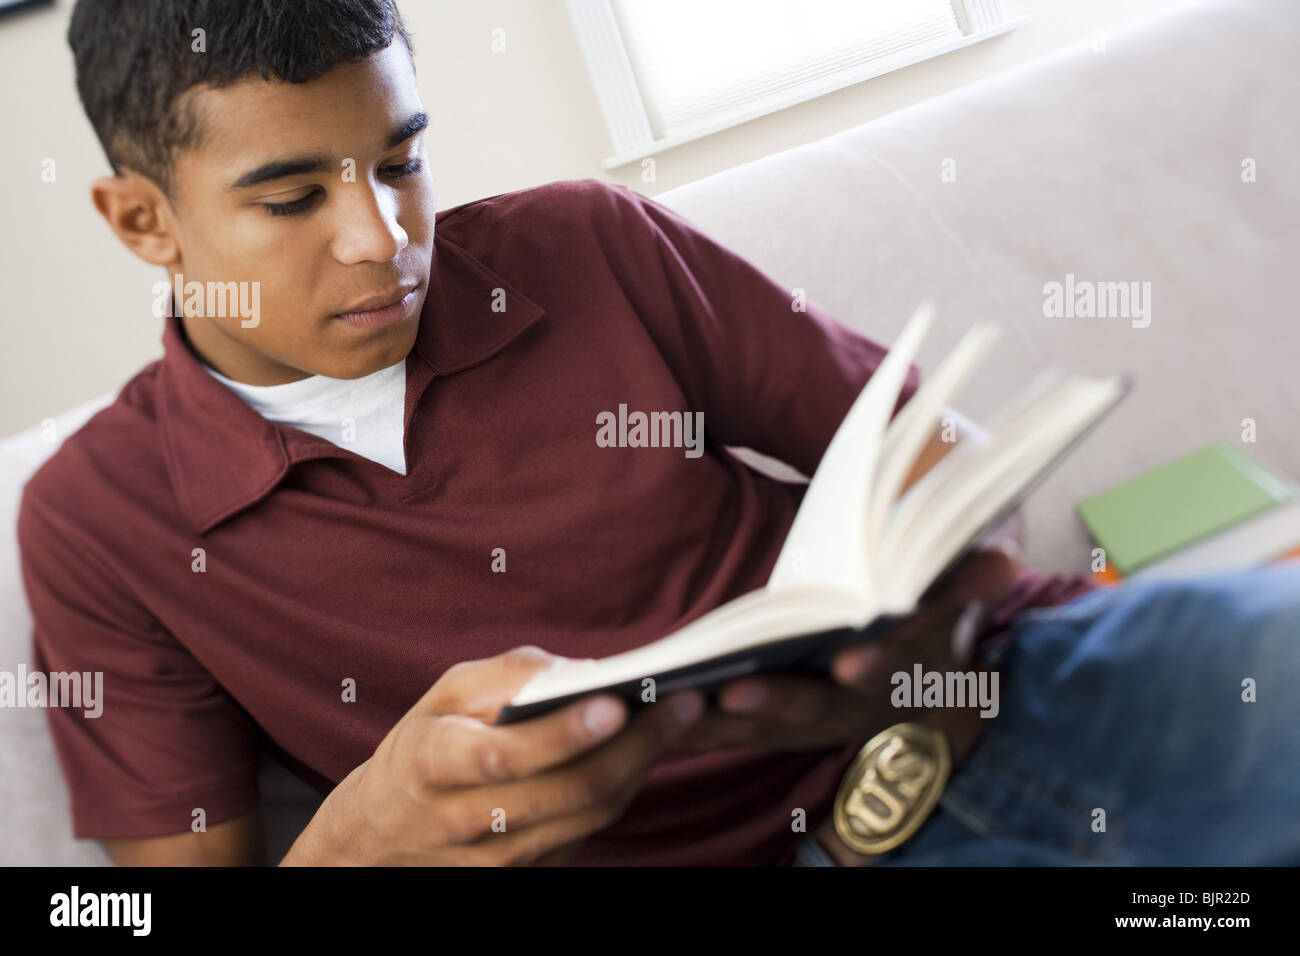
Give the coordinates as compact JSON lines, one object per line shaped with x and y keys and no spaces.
{"x":964,"y":632}
{"x":687,"y":707}
{"x":851,"y":666}
{"x":746,"y":698}
{"x":602,"y":716}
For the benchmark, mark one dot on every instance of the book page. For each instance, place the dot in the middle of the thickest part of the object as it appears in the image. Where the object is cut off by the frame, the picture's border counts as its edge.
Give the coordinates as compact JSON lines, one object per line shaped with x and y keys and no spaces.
{"x":925,"y":535}
{"x":915,"y":426}
{"x":826,"y":544}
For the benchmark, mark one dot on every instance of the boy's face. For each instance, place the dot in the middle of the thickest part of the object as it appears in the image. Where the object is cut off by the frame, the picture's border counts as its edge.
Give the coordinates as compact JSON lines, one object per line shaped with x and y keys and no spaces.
{"x":321,"y":193}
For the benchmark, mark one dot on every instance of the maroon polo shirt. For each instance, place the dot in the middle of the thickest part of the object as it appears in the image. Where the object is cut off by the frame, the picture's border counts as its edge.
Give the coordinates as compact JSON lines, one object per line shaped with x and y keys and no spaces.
{"x":322,"y":566}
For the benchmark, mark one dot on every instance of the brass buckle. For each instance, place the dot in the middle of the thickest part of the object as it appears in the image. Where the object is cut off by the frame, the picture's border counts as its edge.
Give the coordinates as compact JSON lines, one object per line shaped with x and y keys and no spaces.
{"x":891,"y":787}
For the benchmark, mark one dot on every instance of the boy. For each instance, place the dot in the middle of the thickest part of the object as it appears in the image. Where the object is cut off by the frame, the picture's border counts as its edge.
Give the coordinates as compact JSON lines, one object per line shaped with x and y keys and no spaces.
{"x":342,"y":517}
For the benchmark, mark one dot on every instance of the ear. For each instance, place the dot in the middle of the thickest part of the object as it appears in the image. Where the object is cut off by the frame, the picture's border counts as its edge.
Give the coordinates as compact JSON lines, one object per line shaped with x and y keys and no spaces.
{"x":139,"y":213}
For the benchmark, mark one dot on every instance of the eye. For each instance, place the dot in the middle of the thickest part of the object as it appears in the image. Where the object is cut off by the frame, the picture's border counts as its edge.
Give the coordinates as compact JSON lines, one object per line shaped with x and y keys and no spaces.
{"x":309,"y":200}
{"x":292,"y":208}
{"x":414,"y":166}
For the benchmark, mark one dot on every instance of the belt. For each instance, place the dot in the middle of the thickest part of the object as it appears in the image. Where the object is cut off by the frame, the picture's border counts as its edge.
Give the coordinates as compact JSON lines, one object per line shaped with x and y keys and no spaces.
{"x":894,"y":784}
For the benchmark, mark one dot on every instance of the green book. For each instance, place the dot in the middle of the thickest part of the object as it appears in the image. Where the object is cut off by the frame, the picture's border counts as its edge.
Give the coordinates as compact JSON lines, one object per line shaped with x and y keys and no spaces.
{"x":1172,"y":506}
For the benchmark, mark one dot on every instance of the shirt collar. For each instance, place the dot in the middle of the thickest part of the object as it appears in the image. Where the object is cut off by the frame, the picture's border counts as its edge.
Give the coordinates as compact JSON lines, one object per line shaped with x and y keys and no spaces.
{"x":222,"y":456}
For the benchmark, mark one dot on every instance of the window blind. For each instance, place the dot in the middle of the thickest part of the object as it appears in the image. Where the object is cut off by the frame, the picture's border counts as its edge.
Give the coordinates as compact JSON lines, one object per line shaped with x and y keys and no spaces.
{"x":698,"y":62}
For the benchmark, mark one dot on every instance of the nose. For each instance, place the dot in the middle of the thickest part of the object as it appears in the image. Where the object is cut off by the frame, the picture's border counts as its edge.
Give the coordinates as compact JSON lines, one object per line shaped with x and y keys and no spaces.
{"x":368,"y":230}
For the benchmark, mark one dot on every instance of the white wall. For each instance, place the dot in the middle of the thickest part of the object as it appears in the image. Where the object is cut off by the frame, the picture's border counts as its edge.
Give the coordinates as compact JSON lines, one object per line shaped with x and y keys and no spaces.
{"x":75,"y":316}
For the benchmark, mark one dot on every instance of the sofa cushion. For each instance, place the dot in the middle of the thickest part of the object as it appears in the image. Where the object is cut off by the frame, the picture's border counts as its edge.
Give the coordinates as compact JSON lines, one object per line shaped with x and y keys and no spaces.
{"x":1117,"y":166}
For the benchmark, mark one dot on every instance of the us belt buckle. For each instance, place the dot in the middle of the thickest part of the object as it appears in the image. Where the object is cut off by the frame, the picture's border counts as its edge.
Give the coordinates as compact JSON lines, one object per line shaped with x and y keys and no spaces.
{"x":891,"y":787}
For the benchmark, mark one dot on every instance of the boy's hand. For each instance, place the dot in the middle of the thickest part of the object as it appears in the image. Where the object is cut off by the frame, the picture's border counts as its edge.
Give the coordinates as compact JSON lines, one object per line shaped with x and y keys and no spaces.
{"x":798,"y":713}
{"x":445,"y":787}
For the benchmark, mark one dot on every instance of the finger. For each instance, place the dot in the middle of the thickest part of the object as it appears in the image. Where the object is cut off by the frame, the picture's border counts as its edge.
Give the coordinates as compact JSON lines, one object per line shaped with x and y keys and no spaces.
{"x":799,"y":701}
{"x":925,"y":637}
{"x":983,"y":576}
{"x":480,"y":688}
{"x":549,"y":843}
{"x":719,"y":731}
{"x":986,"y":574}
{"x":459,"y":751}
{"x":559,"y":856}
{"x":867,"y":669}
{"x":972,"y":621}
{"x":595,"y":778}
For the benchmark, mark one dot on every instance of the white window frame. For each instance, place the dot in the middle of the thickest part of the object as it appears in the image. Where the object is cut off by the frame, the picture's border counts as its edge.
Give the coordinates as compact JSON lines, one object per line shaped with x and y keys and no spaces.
{"x":624,"y":109}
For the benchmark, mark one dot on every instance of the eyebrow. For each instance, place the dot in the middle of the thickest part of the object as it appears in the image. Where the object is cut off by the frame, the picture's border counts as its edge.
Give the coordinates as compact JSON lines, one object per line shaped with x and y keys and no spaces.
{"x":318,"y":163}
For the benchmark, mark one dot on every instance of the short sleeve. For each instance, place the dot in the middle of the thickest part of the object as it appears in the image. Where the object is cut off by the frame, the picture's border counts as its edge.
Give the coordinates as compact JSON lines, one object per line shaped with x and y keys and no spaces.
{"x":156,"y":736}
{"x":767,"y":376}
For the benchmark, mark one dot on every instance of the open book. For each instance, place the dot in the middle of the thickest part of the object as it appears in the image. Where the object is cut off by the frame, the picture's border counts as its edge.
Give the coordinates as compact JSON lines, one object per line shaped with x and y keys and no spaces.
{"x":859,"y":557}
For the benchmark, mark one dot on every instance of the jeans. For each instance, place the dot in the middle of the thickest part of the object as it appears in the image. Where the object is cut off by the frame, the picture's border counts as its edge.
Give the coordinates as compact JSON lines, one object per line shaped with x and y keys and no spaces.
{"x":1129,"y":700}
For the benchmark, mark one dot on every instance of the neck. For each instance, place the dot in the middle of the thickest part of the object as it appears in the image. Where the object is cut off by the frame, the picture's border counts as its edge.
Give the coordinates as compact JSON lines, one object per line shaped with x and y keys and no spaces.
{"x":235,"y":360}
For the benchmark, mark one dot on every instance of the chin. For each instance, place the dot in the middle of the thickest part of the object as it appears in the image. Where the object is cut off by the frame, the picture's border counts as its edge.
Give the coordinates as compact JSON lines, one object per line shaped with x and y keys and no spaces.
{"x":386,"y":347}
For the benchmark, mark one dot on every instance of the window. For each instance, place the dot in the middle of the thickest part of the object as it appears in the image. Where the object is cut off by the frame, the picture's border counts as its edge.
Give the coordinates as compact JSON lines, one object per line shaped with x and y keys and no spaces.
{"x":670,"y":71}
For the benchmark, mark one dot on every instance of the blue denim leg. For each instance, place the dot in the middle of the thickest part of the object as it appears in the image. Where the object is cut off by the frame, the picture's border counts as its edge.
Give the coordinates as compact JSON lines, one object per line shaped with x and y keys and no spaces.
{"x":1129,"y":700}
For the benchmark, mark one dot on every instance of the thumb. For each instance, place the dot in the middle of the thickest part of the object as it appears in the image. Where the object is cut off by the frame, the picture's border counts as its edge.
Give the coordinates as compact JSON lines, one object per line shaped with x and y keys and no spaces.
{"x":984,"y":575}
{"x":979,"y":586}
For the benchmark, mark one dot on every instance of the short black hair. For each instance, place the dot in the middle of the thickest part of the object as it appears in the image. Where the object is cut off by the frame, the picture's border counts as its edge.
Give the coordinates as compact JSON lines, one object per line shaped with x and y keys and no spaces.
{"x":135,"y":58}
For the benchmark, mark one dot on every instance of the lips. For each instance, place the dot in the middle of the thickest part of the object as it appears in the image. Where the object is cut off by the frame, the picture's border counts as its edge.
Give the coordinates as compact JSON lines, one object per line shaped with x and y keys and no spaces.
{"x":383,"y":308}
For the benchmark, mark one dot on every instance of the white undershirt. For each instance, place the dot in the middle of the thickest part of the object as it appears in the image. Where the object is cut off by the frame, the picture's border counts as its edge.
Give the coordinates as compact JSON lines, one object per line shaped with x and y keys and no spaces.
{"x":374,"y":404}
